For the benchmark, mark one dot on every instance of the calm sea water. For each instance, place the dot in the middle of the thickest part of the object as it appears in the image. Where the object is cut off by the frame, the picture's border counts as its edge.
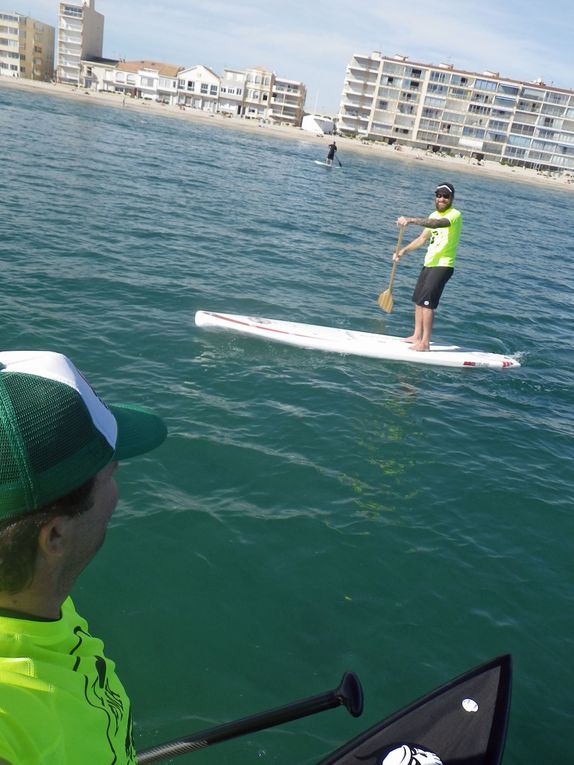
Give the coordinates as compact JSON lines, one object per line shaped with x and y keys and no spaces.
{"x":310,"y":513}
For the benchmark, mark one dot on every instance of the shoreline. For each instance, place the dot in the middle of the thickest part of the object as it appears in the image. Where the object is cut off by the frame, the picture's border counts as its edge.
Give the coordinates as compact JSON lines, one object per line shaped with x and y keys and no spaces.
{"x":488,"y":169}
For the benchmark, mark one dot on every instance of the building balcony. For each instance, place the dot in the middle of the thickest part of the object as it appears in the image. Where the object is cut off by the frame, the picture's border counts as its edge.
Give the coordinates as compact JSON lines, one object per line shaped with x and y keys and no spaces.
{"x":362,"y":77}
{"x":72,"y":27}
{"x":364,"y":64}
{"x":356,"y":89}
{"x":356,"y":107}
{"x":283,"y":99}
{"x":70,"y":52}
{"x":72,"y":42}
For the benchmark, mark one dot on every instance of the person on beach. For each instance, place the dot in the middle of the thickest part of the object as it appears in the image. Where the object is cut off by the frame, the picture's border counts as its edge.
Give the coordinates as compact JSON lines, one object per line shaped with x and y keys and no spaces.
{"x":331,"y":153}
{"x":61,"y":702}
{"x":442,"y":231}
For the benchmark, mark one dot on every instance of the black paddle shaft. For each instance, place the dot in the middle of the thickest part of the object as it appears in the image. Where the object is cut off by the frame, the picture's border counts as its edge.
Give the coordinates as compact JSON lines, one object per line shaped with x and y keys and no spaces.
{"x":349,"y":693}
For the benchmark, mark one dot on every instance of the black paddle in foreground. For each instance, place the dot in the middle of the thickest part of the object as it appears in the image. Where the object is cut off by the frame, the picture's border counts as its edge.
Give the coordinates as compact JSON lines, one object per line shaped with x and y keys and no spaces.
{"x":463,"y":722}
{"x":349,"y":694}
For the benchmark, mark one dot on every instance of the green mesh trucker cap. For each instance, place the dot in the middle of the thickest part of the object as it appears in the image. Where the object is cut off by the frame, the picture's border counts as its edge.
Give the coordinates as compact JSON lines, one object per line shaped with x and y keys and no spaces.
{"x":56,"y":433}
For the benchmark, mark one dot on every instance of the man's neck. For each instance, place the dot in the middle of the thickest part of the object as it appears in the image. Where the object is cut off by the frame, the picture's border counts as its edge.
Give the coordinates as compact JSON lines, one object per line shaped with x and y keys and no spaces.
{"x":9,"y":613}
{"x":33,"y":602}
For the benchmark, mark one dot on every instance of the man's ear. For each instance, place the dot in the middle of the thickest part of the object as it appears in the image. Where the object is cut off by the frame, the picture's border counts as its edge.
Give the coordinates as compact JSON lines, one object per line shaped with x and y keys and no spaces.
{"x":53,"y":535}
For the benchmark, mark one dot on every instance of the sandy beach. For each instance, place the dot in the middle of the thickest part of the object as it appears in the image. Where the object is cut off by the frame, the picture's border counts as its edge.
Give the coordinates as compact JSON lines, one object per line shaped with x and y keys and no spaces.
{"x":400,"y":153}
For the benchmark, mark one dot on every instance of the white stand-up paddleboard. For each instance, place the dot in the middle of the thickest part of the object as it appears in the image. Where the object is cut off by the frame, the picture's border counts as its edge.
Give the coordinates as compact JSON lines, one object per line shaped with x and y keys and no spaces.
{"x":352,"y":342}
{"x":323,"y":164}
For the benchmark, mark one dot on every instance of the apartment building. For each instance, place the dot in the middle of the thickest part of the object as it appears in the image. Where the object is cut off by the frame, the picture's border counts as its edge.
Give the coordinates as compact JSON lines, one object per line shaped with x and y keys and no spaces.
{"x":287,"y":104}
{"x":26,"y":47}
{"x":392,"y":99}
{"x":80,"y":36}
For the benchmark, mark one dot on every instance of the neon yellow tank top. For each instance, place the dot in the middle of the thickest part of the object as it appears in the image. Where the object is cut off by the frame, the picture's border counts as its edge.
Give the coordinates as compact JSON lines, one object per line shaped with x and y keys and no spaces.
{"x":61,"y":702}
{"x":444,"y":241}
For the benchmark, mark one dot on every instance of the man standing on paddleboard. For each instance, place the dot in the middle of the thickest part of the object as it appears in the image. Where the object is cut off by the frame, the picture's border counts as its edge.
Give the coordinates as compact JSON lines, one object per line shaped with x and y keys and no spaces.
{"x":442,"y":231}
{"x":331,"y":153}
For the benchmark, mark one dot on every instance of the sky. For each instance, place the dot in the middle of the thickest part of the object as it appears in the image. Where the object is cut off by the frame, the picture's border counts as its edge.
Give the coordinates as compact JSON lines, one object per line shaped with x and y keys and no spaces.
{"x":312,"y":41}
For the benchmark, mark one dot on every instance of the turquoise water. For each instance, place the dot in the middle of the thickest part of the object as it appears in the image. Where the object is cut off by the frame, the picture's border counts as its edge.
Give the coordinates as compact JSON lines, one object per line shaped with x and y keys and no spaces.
{"x":310,"y":513}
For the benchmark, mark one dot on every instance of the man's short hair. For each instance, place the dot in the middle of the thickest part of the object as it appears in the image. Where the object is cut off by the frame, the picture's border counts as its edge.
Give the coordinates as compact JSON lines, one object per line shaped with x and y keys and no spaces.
{"x":19,"y":536}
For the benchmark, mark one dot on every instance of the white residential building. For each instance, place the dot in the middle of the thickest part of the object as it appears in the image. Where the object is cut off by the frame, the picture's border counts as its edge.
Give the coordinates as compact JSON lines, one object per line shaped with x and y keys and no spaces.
{"x":80,"y":36}
{"x":98,"y":74}
{"x":149,"y":80}
{"x":287,"y":101}
{"x":26,"y":47}
{"x":198,"y":88}
{"x":438,"y":107}
{"x":232,"y":91}
{"x":258,"y":84}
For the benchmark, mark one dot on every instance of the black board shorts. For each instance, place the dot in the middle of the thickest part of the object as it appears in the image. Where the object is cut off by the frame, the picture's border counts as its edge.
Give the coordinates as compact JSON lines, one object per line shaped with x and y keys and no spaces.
{"x":430,"y":285}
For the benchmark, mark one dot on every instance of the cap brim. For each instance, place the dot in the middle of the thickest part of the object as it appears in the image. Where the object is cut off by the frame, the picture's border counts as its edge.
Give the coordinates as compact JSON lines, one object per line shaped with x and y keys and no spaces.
{"x":139,"y":430}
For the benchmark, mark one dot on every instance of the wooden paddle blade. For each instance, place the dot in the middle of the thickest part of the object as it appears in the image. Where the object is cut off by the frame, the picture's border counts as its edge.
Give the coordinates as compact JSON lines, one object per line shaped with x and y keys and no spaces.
{"x":385,"y":301}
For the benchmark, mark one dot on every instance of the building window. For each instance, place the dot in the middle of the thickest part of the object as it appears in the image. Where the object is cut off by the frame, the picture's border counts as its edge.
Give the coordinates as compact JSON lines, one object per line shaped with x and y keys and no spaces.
{"x":473,"y":132}
{"x":389,"y":68}
{"x":509,"y":90}
{"x":523,"y":129}
{"x":535,"y":95}
{"x":515,"y":140}
{"x":476,"y":109}
{"x":505,"y":101}
{"x":213,"y":90}
{"x":548,"y":134}
{"x":485,"y":85}
{"x":557,"y":98}
{"x":497,"y":125}
{"x":440,"y":102}
{"x":204,"y":87}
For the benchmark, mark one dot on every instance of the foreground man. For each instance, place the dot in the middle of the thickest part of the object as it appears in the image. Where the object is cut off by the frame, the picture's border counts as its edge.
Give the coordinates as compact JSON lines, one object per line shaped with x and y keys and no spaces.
{"x":442,"y":228}
{"x":61,"y":702}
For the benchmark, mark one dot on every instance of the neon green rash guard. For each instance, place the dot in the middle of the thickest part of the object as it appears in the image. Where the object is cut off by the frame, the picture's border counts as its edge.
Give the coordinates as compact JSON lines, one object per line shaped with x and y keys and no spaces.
{"x":61,"y":702}
{"x":444,"y":241}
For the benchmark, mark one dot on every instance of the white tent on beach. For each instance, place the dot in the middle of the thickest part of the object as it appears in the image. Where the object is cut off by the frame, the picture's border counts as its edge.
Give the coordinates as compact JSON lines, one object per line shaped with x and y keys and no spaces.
{"x":315,"y":123}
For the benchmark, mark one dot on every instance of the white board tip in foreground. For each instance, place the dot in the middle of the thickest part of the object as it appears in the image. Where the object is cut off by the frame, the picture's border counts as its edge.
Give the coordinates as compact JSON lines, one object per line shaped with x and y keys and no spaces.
{"x":347,"y":341}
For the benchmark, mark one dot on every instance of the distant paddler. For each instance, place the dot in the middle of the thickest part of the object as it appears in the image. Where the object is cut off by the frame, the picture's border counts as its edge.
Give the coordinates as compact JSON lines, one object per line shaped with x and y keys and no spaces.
{"x":331,"y":153}
{"x":442,"y":232}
